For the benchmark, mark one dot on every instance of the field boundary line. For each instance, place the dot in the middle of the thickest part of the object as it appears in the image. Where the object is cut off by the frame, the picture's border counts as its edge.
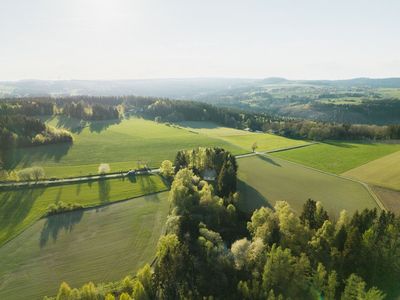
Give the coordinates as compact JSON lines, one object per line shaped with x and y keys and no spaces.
{"x":366,"y":163}
{"x":273,"y":150}
{"x":289,"y":148}
{"x":367,"y":188}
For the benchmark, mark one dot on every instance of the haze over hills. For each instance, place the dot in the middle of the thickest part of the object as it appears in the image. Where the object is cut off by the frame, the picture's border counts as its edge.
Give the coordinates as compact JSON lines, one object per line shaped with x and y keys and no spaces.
{"x":179,"y":88}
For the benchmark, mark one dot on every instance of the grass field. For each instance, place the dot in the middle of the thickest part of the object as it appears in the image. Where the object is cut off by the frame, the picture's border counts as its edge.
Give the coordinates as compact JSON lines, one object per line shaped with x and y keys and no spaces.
{"x":266,"y":179}
{"x":119,"y":144}
{"x":99,"y":245}
{"x":389,"y":198}
{"x":20,"y":208}
{"x":338,"y":157}
{"x":242,"y":138}
{"x":384,"y":171}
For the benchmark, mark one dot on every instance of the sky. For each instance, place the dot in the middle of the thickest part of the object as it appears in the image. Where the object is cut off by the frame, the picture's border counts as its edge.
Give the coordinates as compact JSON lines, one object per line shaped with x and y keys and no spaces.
{"x":130,"y":39}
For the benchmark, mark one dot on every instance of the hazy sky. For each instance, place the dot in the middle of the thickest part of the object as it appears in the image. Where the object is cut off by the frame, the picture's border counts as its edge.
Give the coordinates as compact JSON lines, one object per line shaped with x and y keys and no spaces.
{"x":127,"y":39}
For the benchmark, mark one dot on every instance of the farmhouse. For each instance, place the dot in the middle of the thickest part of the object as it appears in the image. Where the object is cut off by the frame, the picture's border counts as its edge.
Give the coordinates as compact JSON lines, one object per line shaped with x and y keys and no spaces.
{"x":209,"y":174}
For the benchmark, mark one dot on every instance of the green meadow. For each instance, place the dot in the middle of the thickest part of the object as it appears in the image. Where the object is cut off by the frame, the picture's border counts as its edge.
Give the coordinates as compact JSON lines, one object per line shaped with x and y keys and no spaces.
{"x":338,"y":157}
{"x":100,"y":245}
{"x":263,"y":180}
{"x":121,"y":144}
{"x":129,"y":142}
{"x":21,"y":207}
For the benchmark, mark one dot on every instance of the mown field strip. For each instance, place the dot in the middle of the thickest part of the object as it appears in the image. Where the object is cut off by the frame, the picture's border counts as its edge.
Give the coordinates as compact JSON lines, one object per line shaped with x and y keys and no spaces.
{"x":99,"y":245}
{"x":338,"y":157}
{"x":263,"y":180}
{"x":384,"y":172}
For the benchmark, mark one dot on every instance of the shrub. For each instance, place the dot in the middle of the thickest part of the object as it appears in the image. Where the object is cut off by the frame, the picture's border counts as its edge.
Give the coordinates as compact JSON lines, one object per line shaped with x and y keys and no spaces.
{"x":104,"y":168}
{"x":61,"y":207}
{"x":33,"y":173}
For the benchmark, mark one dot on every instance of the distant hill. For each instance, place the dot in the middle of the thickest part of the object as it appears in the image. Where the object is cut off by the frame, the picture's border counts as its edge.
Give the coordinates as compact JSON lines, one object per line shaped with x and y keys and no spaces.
{"x":193,"y":88}
{"x":360,"y":82}
{"x":173,"y":88}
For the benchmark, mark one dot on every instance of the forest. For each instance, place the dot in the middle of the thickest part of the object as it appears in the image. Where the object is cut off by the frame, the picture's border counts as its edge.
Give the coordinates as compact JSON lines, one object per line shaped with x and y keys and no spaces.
{"x":212,"y":251}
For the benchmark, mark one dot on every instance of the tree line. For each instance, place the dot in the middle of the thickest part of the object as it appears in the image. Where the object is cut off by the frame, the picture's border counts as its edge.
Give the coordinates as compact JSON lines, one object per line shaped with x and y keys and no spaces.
{"x":213,"y":251}
{"x":304,"y":129}
{"x":83,"y":108}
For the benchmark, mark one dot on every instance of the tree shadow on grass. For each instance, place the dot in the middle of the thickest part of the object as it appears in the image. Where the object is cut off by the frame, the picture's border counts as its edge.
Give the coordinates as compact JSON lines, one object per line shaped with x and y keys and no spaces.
{"x":104,"y":190}
{"x":74,"y":125}
{"x":147,"y":183}
{"x":78,"y":188}
{"x":343,"y":144}
{"x":132,"y":178}
{"x":198,"y":125}
{"x":15,"y":207}
{"x":99,"y":126}
{"x":54,"y":224}
{"x":269,"y":160}
{"x":26,"y":156}
{"x":250,"y":198}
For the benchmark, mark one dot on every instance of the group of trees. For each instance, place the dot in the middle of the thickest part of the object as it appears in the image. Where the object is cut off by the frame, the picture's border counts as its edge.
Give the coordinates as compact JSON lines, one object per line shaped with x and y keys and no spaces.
{"x":219,"y":163}
{"x":28,"y":174}
{"x":211,"y":251}
{"x":85,"y":108}
{"x":94,"y":112}
{"x":61,"y":207}
{"x":31,"y":107}
{"x":19,"y":130}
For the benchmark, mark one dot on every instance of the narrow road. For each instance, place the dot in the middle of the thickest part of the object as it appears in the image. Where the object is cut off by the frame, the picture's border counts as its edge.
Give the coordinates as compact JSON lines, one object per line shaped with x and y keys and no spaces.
{"x":123,"y":174}
{"x":74,"y":180}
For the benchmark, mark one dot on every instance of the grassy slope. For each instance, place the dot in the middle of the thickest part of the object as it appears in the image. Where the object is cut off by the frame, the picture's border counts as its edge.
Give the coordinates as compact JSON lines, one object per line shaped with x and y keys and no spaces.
{"x":265,"y":180}
{"x":384,"y":171}
{"x":102,"y":244}
{"x":338,"y":157}
{"x":241,"y":138}
{"x":121,"y":145}
{"x":20,"y":208}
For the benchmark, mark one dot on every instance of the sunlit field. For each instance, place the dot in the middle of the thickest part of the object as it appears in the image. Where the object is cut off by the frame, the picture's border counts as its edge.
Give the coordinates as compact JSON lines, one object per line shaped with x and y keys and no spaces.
{"x":99,"y":245}
{"x":123,"y":145}
{"x":21,"y":207}
{"x":338,"y":157}
{"x":263,"y":180}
